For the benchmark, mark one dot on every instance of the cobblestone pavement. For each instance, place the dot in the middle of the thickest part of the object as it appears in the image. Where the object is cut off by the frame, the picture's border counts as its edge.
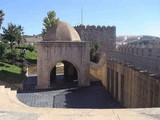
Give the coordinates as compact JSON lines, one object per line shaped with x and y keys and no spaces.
{"x":94,"y":96}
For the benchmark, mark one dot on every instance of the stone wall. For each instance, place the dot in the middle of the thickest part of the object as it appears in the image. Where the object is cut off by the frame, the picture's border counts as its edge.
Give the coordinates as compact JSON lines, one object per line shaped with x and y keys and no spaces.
{"x":99,"y":70}
{"x":150,"y":50}
{"x":50,"y":53}
{"x":149,"y":64}
{"x":105,"y":35}
{"x":131,"y":87}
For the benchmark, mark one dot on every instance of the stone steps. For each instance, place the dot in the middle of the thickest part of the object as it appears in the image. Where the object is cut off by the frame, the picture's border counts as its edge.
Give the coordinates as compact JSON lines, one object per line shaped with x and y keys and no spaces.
{"x":9,"y":96}
{"x":11,"y":107}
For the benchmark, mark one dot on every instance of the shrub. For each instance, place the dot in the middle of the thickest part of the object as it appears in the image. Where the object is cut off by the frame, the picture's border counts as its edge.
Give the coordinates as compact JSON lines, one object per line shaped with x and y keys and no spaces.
{"x":31,"y":47}
{"x":93,"y":52}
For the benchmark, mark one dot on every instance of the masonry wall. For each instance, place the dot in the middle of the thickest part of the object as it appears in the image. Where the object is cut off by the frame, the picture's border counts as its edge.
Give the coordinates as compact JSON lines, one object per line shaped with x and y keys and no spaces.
{"x":151,"y":65}
{"x":151,"y":50}
{"x":50,"y":53}
{"x":99,"y":70}
{"x":132,"y":88}
{"x":105,"y":35}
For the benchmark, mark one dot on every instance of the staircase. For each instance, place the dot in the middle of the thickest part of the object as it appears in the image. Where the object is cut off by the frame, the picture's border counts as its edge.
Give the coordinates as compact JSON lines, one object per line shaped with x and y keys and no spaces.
{"x":8,"y":95}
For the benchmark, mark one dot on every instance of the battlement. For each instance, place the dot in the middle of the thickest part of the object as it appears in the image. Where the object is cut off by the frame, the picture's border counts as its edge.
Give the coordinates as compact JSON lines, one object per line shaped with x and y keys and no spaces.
{"x":149,"y":50}
{"x":96,"y":28}
{"x":106,"y":35}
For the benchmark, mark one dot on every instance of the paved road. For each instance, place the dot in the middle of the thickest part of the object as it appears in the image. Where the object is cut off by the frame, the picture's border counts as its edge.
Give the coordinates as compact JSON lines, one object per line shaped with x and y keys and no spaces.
{"x":94,"y":96}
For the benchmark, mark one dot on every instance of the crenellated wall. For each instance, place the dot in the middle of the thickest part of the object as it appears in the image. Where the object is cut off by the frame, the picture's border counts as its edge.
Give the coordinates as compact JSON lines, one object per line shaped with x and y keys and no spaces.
{"x":149,"y":64}
{"x":105,"y":35}
{"x":151,"y":50}
{"x":132,"y":87}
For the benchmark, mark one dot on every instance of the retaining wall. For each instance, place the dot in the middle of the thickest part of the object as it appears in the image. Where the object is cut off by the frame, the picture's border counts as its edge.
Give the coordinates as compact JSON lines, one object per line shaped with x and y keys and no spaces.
{"x":131,"y":87}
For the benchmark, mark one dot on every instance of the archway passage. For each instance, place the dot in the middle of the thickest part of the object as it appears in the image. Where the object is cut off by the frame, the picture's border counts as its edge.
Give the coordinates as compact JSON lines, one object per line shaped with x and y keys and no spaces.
{"x":63,"y":74}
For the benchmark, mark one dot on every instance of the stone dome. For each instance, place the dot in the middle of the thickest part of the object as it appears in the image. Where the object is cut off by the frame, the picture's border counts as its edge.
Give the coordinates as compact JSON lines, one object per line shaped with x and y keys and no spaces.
{"x":61,"y":31}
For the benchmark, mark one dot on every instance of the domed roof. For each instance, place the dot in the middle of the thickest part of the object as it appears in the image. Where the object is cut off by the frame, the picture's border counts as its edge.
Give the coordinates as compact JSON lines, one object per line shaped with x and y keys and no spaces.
{"x":61,"y":31}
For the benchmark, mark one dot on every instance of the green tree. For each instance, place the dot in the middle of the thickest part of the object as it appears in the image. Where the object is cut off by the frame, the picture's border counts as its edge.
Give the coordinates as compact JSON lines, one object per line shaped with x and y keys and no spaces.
{"x":19,"y":35}
{"x":97,"y":45}
{"x":49,"y":21}
{"x":1,"y":17}
{"x":12,"y":56}
{"x":3,"y":47}
{"x":12,"y":35}
{"x":93,"y":51}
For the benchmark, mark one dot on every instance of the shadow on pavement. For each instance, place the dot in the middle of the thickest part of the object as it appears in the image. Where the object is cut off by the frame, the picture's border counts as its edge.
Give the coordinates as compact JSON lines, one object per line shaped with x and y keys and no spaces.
{"x":93,"y":96}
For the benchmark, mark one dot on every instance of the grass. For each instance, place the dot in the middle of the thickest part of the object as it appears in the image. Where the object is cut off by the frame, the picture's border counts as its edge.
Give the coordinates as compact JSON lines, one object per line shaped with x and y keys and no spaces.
{"x":31,"y":57}
{"x":10,"y":68}
{"x":11,"y":73}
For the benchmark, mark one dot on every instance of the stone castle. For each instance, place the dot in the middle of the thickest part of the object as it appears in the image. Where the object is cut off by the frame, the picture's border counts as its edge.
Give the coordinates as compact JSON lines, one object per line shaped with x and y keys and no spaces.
{"x":146,"y":55}
{"x":130,"y":72}
{"x":106,"y":36}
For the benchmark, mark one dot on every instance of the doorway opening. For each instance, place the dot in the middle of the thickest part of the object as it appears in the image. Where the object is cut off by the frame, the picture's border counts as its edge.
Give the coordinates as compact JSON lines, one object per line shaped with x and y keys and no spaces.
{"x":63,"y":74}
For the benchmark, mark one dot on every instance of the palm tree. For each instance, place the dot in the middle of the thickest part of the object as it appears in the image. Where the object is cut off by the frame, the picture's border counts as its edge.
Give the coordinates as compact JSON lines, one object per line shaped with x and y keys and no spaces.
{"x":13,"y":34}
{"x":1,"y":17}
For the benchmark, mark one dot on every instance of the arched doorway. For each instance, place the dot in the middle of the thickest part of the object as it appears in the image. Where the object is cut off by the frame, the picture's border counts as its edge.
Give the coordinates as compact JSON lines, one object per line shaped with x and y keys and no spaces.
{"x":63,"y":74}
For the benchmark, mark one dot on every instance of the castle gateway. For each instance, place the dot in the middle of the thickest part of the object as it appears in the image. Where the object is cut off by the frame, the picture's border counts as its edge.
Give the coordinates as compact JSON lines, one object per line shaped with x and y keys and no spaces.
{"x":62,"y":44}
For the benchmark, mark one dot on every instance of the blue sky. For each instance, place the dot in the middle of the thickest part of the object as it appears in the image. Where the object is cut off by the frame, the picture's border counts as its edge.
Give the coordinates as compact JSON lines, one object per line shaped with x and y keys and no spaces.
{"x":131,"y":17}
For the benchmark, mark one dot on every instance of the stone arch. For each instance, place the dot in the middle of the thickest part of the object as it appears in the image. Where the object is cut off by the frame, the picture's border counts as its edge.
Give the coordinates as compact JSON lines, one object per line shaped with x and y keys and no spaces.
{"x":62,"y":42}
{"x":69,"y":61}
